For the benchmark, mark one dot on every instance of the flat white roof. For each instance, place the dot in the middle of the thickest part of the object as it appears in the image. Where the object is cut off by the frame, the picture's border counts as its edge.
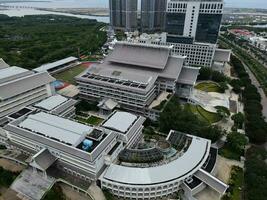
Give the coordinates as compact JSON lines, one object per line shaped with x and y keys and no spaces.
{"x":120,"y":121}
{"x":182,"y":167}
{"x":51,"y":102}
{"x":52,"y":126}
{"x":52,"y":65}
{"x":11,"y":71}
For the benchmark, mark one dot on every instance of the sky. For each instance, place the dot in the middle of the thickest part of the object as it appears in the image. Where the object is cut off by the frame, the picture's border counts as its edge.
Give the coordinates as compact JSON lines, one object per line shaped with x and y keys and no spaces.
{"x":247,"y":3}
{"x":104,"y":3}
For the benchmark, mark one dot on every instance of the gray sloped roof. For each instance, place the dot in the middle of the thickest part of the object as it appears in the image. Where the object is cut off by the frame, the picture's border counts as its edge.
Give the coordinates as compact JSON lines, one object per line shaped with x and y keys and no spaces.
{"x":18,"y":86}
{"x":52,"y":126}
{"x":44,"y":159}
{"x":222,"y":55}
{"x":180,"y":168}
{"x":144,"y":55}
{"x":3,"y":64}
{"x":12,"y":73}
{"x":52,"y":65}
{"x":188,"y":75}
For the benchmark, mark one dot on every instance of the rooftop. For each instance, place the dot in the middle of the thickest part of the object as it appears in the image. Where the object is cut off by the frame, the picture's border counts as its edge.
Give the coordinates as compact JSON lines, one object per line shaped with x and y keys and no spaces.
{"x":52,"y":65}
{"x":24,"y":84}
{"x":51,"y":102}
{"x":188,"y":75}
{"x":3,"y":64}
{"x":151,"y":56}
{"x":11,"y":73}
{"x":57,"y":128}
{"x":184,"y":166}
{"x":120,"y":121}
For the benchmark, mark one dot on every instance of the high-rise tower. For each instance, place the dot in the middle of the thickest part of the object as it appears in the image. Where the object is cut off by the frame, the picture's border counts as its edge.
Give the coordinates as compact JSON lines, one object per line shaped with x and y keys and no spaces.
{"x":196,"y":19}
{"x":123,"y":14}
{"x":153,"y":15}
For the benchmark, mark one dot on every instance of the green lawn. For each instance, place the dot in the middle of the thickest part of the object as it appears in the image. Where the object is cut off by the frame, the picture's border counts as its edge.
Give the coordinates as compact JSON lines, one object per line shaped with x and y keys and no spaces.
{"x":92,"y":120}
{"x":236,"y":184}
{"x":203,"y":114}
{"x":208,"y":87}
{"x":69,"y":74}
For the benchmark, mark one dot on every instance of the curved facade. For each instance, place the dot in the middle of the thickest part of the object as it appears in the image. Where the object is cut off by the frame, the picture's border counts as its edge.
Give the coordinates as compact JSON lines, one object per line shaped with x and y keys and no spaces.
{"x":149,"y":182}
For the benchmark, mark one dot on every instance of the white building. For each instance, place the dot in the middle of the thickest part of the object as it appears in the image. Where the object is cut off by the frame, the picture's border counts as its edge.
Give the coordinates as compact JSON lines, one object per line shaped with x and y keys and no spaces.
{"x":20,"y":87}
{"x":259,"y":42}
{"x":183,"y":169}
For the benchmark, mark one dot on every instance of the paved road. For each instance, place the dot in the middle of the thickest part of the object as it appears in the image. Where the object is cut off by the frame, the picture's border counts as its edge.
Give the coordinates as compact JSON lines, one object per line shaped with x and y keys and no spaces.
{"x":263,"y":97}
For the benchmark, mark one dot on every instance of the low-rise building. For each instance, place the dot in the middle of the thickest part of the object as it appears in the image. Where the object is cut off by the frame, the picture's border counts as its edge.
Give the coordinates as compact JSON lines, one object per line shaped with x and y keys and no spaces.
{"x":115,"y":155}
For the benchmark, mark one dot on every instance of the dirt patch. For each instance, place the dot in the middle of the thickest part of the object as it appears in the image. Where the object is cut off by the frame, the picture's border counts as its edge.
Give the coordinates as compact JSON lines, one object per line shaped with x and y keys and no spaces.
{"x":9,"y":195}
{"x":10,"y":165}
{"x":223,"y":168}
{"x":208,"y":194}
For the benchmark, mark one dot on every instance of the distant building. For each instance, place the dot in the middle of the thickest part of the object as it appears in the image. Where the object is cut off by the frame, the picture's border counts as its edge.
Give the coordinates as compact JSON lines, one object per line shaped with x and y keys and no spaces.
{"x":123,"y":14}
{"x":20,"y":87}
{"x":196,"y":19}
{"x":153,"y":15}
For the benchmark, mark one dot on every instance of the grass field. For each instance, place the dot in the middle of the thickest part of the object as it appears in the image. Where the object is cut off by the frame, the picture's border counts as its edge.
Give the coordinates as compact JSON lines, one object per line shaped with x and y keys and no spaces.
{"x":92,"y":120}
{"x":203,"y":114}
{"x":69,"y":74}
{"x":208,"y":87}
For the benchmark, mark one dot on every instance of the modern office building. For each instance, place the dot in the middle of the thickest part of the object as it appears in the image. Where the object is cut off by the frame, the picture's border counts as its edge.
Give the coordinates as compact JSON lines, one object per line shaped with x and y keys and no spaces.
{"x":20,"y":87}
{"x":153,"y":15}
{"x":196,"y":19}
{"x":134,"y":74}
{"x":123,"y":14}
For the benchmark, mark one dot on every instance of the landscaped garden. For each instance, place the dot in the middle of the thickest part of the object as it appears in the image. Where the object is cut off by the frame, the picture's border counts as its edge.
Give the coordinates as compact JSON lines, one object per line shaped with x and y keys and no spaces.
{"x":203,"y":114}
{"x":92,"y":120}
{"x":69,"y":74}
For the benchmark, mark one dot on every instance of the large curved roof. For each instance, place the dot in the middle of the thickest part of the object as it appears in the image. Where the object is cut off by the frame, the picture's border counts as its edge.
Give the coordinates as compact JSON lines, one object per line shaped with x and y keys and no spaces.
{"x":182,"y":167}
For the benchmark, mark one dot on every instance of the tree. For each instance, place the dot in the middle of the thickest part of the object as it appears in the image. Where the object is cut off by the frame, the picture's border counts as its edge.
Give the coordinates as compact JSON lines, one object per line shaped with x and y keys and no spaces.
{"x":236,"y":142}
{"x":223,"y":111}
{"x":205,"y":73}
{"x":238,"y":119}
{"x":223,"y":86}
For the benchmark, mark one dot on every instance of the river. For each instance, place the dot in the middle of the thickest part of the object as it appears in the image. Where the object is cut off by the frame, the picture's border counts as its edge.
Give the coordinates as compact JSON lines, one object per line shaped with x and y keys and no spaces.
{"x":24,"y":11}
